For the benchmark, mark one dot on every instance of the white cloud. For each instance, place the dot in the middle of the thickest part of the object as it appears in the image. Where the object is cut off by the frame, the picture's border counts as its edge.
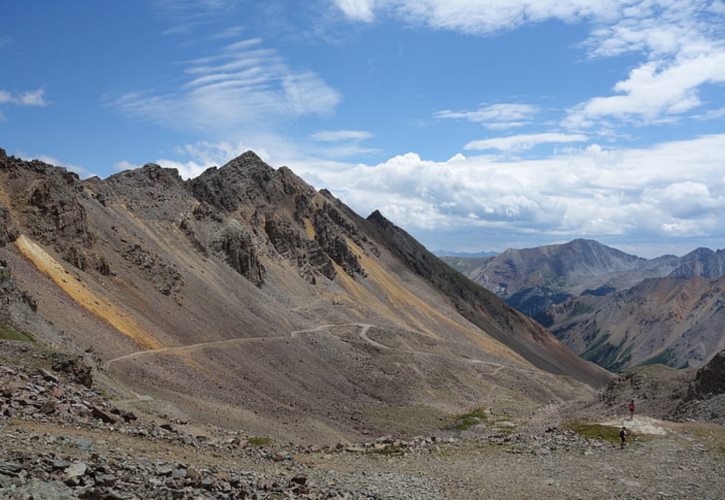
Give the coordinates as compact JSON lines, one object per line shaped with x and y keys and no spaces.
{"x":523,"y":142}
{"x":32,"y":98}
{"x":495,"y":116}
{"x":482,"y":17}
{"x":595,"y":192}
{"x":187,"y":170}
{"x":27,"y":98}
{"x":358,"y":10}
{"x":653,"y":91}
{"x":340,"y":135}
{"x":681,"y":41}
{"x":242,"y":86}
{"x":125,"y":165}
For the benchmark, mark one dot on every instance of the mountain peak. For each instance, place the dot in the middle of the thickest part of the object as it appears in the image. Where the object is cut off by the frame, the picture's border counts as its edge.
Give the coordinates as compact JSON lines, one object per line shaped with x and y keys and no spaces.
{"x":246,"y":160}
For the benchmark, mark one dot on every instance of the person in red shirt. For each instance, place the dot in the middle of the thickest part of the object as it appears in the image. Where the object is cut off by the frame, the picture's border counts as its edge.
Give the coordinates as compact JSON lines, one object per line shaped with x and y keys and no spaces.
{"x":631,"y":410}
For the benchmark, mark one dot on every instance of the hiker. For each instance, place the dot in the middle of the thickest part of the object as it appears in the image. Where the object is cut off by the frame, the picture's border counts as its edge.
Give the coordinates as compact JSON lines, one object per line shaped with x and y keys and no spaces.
{"x":631,"y":410}
{"x":623,"y":436}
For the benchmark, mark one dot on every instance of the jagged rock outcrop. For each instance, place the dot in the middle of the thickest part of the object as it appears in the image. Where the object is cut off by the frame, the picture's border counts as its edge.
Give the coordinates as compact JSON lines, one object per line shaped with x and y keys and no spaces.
{"x":8,"y":230}
{"x":238,"y":250}
{"x":710,"y":379}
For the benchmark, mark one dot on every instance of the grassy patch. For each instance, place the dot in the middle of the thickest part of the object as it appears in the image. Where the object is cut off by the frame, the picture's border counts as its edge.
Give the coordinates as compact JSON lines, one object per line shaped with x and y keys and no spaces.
{"x":7,"y":332}
{"x":259,"y":441}
{"x":468,"y":420}
{"x":497,"y":423}
{"x":590,"y":430}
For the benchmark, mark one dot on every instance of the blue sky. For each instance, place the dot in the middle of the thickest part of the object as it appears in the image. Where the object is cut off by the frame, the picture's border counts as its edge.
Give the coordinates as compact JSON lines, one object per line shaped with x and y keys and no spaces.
{"x":472,"y":124}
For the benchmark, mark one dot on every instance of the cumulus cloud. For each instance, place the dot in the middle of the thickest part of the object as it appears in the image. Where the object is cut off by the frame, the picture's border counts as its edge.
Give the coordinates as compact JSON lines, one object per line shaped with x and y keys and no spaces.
{"x":523,"y":142}
{"x":495,"y":116}
{"x":653,"y":90}
{"x":243,"y":85}
{"x":593,"y":192}
{"x":358,"y":10}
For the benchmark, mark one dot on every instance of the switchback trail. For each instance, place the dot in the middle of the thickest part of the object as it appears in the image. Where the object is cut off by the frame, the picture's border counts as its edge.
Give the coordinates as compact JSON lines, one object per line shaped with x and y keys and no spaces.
{"x":363,"y":333}
{"x":220,"y":343}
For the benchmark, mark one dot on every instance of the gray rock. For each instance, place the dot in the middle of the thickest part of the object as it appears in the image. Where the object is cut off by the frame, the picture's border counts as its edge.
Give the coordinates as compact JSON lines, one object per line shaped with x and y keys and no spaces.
{"x":76,"y":469}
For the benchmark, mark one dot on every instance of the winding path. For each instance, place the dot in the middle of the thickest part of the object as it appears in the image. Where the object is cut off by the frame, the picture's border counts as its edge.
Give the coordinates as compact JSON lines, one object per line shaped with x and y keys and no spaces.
{"x":363,"y":333}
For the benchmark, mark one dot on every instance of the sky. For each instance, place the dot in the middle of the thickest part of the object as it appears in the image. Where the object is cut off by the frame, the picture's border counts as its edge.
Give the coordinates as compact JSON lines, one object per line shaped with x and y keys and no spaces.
{"x":474,"y":125}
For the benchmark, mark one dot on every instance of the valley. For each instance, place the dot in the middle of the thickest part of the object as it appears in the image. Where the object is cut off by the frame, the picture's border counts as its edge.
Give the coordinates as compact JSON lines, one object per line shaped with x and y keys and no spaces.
{"x":244,"y":334}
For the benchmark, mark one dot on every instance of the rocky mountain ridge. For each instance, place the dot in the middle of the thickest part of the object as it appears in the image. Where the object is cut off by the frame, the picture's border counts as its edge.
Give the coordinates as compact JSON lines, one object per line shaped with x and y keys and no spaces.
{"x":244,"y":297}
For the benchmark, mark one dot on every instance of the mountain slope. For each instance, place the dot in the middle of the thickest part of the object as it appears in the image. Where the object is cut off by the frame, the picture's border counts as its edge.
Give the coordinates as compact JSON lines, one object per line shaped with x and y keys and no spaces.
{"x":616,"y":309}
{"x":246,"y":298}
{"x":675,"y":321}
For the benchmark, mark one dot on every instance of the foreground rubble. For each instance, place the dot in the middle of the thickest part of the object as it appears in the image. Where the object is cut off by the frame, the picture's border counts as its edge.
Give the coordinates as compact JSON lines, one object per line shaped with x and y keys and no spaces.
{"x":61,"y":438}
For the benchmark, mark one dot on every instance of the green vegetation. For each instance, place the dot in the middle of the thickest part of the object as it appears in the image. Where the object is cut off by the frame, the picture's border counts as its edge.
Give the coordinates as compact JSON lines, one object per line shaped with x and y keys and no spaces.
{"x":7,"y":332}
{"x":609,"y":356}
{"x":468,"y":420}
{"x":259,"y":441}
{"x":479,"y":416}
{"x":590,"y":430}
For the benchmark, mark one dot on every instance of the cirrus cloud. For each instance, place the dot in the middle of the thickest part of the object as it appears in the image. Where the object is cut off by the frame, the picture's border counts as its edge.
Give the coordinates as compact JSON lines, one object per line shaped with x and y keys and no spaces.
{"x":523,"y":142}
{"x":494,"y":116}
{"x":244,"y":85}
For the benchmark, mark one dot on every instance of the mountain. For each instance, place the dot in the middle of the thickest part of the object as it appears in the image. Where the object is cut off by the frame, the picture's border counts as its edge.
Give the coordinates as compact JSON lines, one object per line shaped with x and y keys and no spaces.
{"x":701,"y":262}
{"x":674,"y":321}
{"x":245,"y":298}
{"x":613,"y":308}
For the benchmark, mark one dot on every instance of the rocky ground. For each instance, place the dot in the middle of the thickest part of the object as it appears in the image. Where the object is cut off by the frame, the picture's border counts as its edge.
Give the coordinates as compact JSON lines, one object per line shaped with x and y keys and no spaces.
{"x":63,"y":439}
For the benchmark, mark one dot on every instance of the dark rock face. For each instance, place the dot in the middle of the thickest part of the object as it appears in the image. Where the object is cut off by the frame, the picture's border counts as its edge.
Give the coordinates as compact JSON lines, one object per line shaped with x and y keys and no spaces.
{"x":710,"y":379}
{"x":50,"y":202}
{"x":276,"y":207}
{"x":8,"y":230}
{"x":331,"y":239}
{"x":238,"y":250}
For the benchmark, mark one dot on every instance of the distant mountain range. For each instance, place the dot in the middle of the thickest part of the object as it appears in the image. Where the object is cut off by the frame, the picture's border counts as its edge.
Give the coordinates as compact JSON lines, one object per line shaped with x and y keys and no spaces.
{"x":449,"y":253}
{"x":613,"y":308}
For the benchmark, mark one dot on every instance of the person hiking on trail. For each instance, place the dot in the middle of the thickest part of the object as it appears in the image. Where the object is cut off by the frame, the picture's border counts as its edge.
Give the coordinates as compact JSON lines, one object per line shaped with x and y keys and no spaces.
{"x":623,"y":436}
{"x":631,"y":410}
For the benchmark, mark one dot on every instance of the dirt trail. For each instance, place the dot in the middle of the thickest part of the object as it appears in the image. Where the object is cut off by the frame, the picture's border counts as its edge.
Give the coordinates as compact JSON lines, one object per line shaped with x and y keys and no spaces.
{"x":363,"y":334}
{"x":639,"y":424}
